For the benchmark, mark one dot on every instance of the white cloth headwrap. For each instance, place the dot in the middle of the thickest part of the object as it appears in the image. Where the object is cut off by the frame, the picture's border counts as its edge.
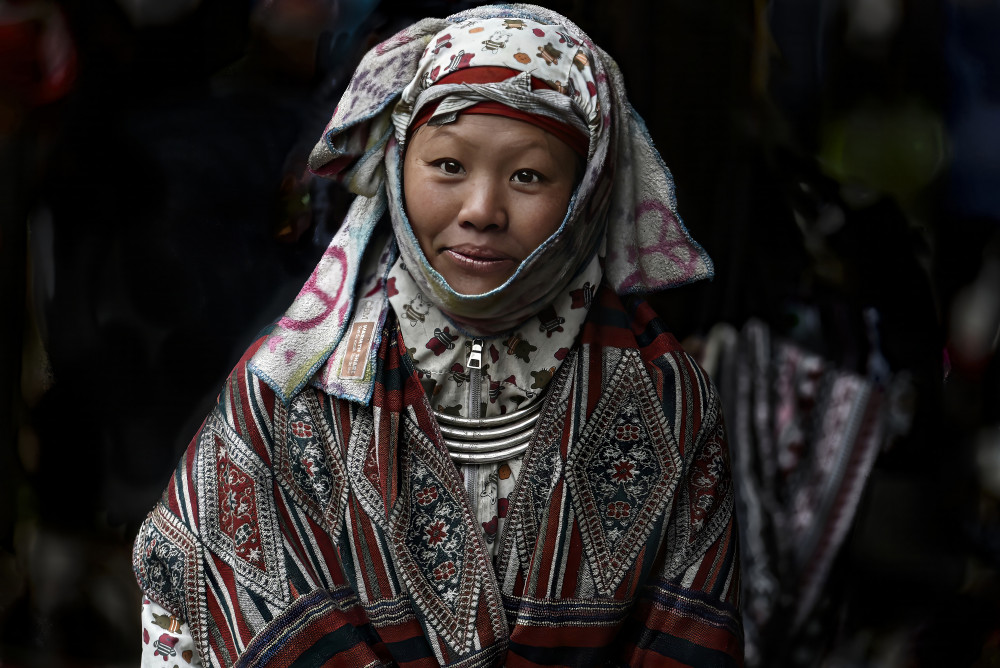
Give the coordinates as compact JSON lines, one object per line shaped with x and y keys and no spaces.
{"x":625,"y":200}
{"x":546,"y":272}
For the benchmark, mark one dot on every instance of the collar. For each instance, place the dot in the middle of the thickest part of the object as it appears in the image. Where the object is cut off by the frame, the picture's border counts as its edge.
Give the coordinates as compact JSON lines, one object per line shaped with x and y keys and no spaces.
{"x":517,"y":365}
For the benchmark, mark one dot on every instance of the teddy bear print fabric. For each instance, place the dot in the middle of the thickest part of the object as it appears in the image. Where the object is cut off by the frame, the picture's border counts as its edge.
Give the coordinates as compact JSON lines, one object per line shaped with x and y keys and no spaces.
{"x":516,"y":366}
{"x":166,"y":639}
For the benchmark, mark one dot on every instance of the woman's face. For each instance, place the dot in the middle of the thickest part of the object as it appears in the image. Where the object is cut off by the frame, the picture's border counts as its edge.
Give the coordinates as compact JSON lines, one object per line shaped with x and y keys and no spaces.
{"x":482,"y":193}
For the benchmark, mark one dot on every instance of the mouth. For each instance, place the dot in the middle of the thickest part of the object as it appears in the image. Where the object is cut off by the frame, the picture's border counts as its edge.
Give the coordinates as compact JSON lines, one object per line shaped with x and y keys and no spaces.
{"x":478,"y":258}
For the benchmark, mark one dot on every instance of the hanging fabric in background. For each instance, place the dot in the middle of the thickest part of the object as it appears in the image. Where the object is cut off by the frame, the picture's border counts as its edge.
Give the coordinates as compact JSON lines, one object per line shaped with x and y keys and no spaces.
{"x":803,"y":436}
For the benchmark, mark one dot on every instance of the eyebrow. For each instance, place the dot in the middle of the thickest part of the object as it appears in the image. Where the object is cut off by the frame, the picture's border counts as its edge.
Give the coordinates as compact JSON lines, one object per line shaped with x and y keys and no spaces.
{"x":448,"y":132}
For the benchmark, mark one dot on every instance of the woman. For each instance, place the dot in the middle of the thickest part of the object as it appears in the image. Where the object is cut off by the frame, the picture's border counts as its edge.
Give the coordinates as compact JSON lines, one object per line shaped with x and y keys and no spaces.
{"x":459,"y":446}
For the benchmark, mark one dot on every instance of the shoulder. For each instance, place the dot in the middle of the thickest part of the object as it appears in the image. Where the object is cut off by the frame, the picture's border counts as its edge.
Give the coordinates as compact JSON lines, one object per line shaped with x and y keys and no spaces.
{"x":684,"y":391}
{"x":631,"y":323}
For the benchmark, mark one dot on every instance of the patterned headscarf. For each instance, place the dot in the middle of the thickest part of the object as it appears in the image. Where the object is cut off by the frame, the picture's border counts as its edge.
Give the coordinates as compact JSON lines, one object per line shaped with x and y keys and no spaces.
{"x":623,"y":209}
{"x":520,"y":52}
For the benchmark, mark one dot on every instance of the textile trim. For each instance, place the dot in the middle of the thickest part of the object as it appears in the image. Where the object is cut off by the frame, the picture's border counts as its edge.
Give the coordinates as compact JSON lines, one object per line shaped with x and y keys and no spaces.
{"x":308,"y":461}
{"x":571,"y":612}
{"x":438,"y":544}
{"x":623,"y":473}
{"x":238,"y":519}
{"x":310,"y":630}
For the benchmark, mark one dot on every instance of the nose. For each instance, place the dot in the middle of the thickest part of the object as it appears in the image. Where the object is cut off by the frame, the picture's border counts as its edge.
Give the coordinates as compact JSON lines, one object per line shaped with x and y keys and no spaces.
{"x":484,"y":205}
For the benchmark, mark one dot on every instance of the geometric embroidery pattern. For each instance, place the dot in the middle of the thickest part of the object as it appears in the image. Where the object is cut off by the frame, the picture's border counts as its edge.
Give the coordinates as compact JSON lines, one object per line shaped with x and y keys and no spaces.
{"x":706,"y":502}
{"x":307,"y":465}
{"x":541,"y":471}
{"x":362,"y":452}
{"x":164,"y":567}
{"x":445,"y":568}
{"x":623,"y":473}
{"x":238,"y":518}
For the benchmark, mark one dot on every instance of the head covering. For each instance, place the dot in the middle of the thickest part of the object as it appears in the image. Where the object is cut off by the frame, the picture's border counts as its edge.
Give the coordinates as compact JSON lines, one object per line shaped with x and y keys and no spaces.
{"x":623,"y":209}
{"x":576,"y":138}
{"x":527,"y":73}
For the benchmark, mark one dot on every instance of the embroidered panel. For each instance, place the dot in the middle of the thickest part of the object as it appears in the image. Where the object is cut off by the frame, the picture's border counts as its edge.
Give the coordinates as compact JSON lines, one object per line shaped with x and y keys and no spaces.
{"x":237,"y":517}
{"x":623,"y":474}
{"x":705,"y":504}
{"x":363,"y":464}
{"x":438,"y":546}
{"x":309,"y":462}
{"x":541,"y":471}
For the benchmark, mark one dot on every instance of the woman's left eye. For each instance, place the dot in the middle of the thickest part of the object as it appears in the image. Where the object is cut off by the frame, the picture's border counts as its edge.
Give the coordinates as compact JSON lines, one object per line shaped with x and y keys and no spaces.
{"x":526,"y":176}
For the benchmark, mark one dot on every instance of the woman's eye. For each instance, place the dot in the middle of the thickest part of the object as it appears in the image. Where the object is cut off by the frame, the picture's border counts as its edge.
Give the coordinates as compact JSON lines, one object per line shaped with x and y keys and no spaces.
{"x":449,"y":166}
{"x":526,"y":176}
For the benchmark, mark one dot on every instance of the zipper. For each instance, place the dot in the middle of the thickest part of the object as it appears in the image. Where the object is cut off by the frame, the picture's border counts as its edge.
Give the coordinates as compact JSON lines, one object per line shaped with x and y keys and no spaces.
{"x":475,"y":369}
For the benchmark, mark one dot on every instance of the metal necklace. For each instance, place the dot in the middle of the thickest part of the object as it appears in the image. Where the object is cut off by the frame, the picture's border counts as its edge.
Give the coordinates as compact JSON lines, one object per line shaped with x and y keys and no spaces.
{"x":488,"y":440}
{"x":479,"y":440}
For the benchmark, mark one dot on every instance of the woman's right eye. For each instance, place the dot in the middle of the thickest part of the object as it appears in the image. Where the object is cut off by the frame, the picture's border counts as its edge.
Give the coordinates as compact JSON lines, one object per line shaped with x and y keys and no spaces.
{"x":449,"y":166}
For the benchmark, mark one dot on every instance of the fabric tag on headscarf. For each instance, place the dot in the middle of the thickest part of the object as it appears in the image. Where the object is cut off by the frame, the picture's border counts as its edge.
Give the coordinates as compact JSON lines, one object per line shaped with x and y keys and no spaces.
{"x":350,"y":369}
{"x":358,"y":345}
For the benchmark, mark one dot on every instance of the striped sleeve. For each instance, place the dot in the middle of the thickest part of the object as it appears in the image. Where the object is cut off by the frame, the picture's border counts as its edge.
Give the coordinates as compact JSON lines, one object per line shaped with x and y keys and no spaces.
{"x":688,"y":614}
{"x":239,"y":545}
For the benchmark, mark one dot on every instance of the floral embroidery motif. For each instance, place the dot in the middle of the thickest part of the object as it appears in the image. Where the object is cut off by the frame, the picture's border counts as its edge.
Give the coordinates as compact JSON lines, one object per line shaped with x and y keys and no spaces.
{"x":302,"y":429}
{"x":624,"y":471}
{"x":437,"y":555}
{"x":436,"y":533}
{"x":238,"y":518}
{"x":238,"y":510}
{"x":427,"y":495}
{"x":708,"y":470}
{"x":628,"y":432}
{"x":619,"y":509}
{"x":445,"y":571}
{"x":626,"y":468}
{"x":303,"y":462}
{"x":163,"y":566}
{"x":435,"y":530}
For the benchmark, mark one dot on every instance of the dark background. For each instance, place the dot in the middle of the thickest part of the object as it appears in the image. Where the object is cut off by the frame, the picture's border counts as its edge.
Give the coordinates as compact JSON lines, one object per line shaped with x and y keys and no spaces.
{"x":156,"y":213}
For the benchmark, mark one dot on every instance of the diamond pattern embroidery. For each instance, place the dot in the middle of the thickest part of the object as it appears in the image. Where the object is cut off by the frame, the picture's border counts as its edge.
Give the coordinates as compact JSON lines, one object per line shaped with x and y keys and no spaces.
{"x":541,"y":472}
{"x":436,"y":534}
{"x":624,"y":473}
{"x":437,"y":552}
{"x":303,"y":451}
{"x":238,"y":517}
{"x":166,"y":560}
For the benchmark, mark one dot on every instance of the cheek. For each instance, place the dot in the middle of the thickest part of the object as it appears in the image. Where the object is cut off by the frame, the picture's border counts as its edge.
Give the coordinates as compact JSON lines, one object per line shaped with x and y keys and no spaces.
{"x":545,"y":219}
{"x":423,"y":210}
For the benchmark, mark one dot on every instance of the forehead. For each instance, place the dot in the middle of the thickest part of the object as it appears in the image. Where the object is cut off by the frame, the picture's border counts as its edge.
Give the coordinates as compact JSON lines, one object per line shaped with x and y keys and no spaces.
{"x":493,"y":133}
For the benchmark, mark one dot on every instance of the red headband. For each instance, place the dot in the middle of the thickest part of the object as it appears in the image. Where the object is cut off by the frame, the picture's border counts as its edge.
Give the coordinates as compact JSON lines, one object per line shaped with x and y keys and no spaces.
{"x":575,"y":139}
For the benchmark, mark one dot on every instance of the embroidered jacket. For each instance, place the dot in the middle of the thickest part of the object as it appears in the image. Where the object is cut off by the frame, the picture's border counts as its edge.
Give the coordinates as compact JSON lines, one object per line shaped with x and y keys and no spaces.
{"x":326,"y":532}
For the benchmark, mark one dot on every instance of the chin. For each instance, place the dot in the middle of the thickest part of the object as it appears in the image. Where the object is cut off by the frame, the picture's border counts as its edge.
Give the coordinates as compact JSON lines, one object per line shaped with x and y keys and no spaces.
{"x":472,"y":287}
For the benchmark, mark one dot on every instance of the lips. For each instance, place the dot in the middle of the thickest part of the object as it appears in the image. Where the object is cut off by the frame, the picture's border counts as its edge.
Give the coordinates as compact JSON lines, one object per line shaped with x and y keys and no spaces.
{"x":479,"y":259}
